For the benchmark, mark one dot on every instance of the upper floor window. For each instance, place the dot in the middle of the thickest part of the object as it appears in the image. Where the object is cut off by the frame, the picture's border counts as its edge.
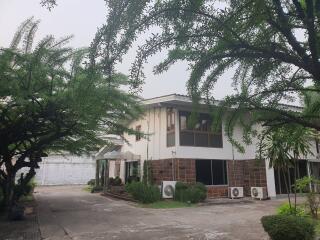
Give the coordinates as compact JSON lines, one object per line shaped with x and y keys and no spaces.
{"x":138,"y":134}
{"x":198,"y":132}
{"x":170,"y":127}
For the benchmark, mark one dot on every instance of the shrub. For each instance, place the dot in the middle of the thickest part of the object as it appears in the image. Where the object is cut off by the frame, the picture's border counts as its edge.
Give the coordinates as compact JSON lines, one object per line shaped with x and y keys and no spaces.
{"x":26,"y":190}
{"x":1,"y":197}
{"x":115,"y":181}
{"x":96,"y":189}
{"x":288,"y":227}
{"x":91,"y":182}
{"x":193,"y":193}
{"x":313,"y":197}
{"x":285,"y":209}
{"x":147,"y":172}
{"x":31,"y":186}
{"x":133,"y":179}
{"x":143,"y":193}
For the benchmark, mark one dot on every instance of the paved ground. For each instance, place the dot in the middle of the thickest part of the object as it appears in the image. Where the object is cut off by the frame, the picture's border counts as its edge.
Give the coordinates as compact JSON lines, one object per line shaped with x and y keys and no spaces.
{"x":70,"y":213}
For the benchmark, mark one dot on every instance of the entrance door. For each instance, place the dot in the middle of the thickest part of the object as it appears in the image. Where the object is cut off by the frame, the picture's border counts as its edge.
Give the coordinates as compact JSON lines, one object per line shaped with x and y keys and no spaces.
{"x":132,"y":171}
{"x":280,"y":177}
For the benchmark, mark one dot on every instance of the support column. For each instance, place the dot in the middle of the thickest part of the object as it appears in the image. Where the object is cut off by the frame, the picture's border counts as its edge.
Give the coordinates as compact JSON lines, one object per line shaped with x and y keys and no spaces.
{"x":270,"y":180}
{"x":97,"y":172}
{"x":106,"y":176}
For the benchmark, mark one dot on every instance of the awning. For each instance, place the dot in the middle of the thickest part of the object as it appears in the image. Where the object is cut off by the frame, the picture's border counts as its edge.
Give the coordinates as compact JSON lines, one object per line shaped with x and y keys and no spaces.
{"x":113,"y":152}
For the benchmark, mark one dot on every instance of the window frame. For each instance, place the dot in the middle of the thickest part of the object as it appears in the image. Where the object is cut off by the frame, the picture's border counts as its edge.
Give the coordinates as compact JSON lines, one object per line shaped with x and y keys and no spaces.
{"x":210,"y":134}
{"x":224,"y":173}
{"x":171,"y":130}
{"x":138,"y":134}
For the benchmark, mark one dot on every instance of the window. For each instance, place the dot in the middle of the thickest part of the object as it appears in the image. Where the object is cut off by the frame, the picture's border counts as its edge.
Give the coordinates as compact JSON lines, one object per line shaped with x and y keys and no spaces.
{"x":198,"y":133}
{"x":132,"y":171}
{"x":170,"y":127}
{"x":211,"y":172}
{"x":138,"y":134}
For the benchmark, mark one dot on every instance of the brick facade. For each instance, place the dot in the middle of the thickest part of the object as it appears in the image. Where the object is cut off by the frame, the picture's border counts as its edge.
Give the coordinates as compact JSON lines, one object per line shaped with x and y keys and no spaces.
{"x":247,"y":174}
{"x":244,"y":173}
{"x":183,"y":170}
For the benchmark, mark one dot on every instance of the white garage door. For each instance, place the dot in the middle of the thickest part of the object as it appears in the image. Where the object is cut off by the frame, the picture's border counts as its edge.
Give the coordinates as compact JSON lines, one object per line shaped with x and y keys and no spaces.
{"x":65,"y":169}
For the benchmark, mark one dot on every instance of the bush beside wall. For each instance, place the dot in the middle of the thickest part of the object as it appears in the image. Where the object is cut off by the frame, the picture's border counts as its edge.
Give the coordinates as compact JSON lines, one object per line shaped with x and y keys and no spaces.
{"x":193,"y":193}
{"x":144,"y":193}
{"x":288,"y":227}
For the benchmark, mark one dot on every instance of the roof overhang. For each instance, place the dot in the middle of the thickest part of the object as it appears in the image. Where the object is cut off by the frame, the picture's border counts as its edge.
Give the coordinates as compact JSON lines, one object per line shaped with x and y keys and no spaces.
{"x":177,"y":100}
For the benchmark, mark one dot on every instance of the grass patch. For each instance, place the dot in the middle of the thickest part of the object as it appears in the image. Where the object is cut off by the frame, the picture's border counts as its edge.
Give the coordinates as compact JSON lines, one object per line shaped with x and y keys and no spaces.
{"x":317,"y":228}
{"x":167,"y":204}
{"x":28,"y":198}
{"x":88,"y":188}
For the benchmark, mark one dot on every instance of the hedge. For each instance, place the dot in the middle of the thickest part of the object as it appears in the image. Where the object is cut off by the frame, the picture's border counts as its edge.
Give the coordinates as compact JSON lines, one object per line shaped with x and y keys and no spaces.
{"x":288,"y":227}
{"x":193,"y":193}
{"x":144,"y":193}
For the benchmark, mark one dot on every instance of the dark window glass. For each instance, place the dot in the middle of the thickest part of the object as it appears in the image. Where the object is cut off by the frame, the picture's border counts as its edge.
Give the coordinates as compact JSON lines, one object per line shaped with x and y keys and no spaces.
{"x":201,"y":139}
{"x":215,"y":140}
{"x":219,"y":173}
{"x":302,"y":168}
{"x":183,"y":122}
{"x":211,"y":172}
{"x":203,"y":171}
{"x":170,"y":127}
{"x":186,"y":138}
{"x":200,"y":133}
{"x":138,"y":134}
{"x":170,"y":139}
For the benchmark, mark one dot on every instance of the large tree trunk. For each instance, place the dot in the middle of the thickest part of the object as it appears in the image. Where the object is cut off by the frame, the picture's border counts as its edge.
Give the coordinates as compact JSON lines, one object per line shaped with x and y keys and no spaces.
{"x":8,"y":192}
{"x":13,"y":192}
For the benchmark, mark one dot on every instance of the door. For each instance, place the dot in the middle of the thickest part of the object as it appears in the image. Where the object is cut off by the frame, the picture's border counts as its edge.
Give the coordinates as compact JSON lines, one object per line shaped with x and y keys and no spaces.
{"x":289,"y":176}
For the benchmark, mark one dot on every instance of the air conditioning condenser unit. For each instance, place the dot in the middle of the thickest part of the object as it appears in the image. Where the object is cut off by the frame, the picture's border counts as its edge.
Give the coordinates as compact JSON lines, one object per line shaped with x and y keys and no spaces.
{"x":235,"y":192}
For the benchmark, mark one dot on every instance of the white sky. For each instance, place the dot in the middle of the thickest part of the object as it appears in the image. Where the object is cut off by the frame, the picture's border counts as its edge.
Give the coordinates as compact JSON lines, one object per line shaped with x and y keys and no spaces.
{"x":81,"y":18}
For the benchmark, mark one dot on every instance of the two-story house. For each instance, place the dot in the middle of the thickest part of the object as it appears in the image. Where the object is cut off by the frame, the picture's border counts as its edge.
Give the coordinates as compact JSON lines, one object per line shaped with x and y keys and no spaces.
{"x":181,"y":152}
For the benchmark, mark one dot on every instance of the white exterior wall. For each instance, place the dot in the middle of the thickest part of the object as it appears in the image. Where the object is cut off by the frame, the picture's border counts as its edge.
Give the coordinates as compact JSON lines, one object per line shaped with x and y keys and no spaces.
{"x":155,"y":120}
{"x":65,"y":169}
{"x":157,"y":149}
{"x":270,"y":181}
{"x":112,"y":166}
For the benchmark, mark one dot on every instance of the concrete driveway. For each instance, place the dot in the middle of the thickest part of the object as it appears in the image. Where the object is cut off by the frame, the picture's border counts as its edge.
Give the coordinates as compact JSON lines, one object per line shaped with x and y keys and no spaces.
{"x":71,"y":213}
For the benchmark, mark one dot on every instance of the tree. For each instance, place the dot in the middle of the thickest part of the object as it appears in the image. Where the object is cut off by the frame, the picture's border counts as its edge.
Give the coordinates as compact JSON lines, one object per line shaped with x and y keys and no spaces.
{"x":283,"y":147}
{"x":272,"y":46}
{"x":49,"y":4}
{"x":52,"y":99}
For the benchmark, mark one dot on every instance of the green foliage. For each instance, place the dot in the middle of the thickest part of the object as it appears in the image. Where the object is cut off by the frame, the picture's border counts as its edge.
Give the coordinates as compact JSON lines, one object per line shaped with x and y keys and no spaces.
{"x":286,"y":209}
{"x":284,"y":144}
{"x":95,"y":189}
{"x":27,"y":190}
{"x":165,"y":204}
{"x":115,"y":181}
{"x":303,"y":184}
{"x":192,"y":193}
{"x":52,"y":99}
{"x":271,"y":63}
{"x":310,"y":185}
{"x":147,"y":172}
{"x":144,"y":193}
{"x":288,"y":227}
{"x":91,"y":182}
{"x":1,"y":198}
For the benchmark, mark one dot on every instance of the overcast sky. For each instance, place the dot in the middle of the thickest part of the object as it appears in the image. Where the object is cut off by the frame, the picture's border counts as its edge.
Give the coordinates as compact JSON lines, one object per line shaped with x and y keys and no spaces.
{"x":81,"y":18}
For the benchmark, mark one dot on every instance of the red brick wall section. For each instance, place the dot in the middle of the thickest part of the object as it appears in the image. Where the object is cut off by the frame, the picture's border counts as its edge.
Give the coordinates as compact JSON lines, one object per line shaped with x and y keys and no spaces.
{"x":244,"y":173}
{"x":183,"y":170}
{"x":217,"y":191}
{"x":247,"y":174}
